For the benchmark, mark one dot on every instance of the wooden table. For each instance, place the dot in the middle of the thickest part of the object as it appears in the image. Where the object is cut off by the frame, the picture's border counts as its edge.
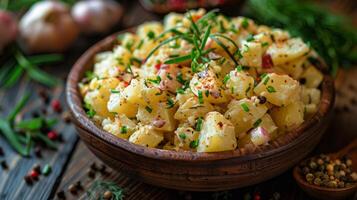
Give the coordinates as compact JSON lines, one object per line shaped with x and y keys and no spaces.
{"x":72,"y":160}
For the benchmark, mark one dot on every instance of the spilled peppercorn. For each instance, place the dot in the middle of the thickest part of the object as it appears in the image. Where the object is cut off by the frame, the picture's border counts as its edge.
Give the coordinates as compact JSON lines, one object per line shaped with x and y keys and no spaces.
{"x":325,"y":172}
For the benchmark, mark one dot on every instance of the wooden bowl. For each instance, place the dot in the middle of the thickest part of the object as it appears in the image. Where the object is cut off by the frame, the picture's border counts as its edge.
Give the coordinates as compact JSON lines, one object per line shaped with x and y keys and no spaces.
{"x":190,"y":170}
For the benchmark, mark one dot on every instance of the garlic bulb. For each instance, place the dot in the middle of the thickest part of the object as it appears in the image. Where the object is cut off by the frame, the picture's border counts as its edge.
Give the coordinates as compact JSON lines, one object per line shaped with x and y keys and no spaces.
{"x":47,"y":27}
{"x":96,"y":16}
{"x":8,"y":28}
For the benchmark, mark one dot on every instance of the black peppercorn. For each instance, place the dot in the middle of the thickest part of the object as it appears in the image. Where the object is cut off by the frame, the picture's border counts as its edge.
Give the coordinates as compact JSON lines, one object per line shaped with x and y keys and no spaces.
{"x":61,"y":194}
{"x":4,"y":164}
{"x":38,"y":152}
{"x":28,"y":179}
{"x":1,"y":152}
{"x":72,"y":188}
{"x":262,"y":99}
{"x":91,"y":173}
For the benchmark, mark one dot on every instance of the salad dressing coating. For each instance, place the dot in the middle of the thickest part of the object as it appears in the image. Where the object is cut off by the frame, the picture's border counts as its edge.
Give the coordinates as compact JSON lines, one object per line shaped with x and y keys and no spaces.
{"x":203,"y":82}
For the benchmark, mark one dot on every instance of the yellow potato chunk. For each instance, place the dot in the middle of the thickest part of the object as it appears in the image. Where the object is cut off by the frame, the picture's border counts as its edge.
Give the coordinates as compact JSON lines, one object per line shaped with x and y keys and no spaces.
{"x":192,"y":109}
{"x":207,"y":87}
{"x":159,"y":116}
{"x":286,"y":51}
{"x":293,"y":68}
{"x":278,"y":89}
{"x":290,"y":116}
{"x":118,"y":104}
{"x":146,"y":136}
{"x":240,"y":84}
{"x":99,"y":93}
{"x":217,"y":134}
{"x":244,"y":113}
{"x":252,"y":53}
{"x":312,"y":76}
{"x":121,"y":126}
{"x":184,"y":136}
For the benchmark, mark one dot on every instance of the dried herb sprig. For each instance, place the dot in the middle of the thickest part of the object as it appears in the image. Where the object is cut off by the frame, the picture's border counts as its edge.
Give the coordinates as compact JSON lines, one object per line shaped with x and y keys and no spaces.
{"x":99,"y":187}
{"x":331,"y":35}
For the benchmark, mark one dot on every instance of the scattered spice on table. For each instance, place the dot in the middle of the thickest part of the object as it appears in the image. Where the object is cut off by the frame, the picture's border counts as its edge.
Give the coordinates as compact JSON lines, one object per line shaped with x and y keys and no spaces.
{"x":4,"y":164}
{"x":91,"y":173}
{"x":61,"y":194}
{"x":1,"y":152}
{"x":47,"y":169}
{"x":322,"y":171}
{"x":72,"y":188}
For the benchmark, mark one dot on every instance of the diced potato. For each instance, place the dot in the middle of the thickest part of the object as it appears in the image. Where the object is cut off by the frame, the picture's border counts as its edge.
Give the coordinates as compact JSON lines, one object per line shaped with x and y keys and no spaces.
{"x":259,"y":136}
{"x":240,"y":84}
{"x":280,"y":35}
{"x":288,"y":117}
{"x":129,"y":41}
{"x":311,"y":95}
{"x":252,"y":53}
{"x":207,"y":87}
{"x":268,"y":124}
{"x":182,"y":98}
{"x":172,"y":20}
{"x":217,"y":134}
{"x":184,"y":136}
{"x":293,"y":68}
{"x":278,"y":89}
{"x":287,"y":51}
{"x":244,"y":113}
{"x":99,"y":94}
{"x":149,"y":30}
{"x":192,"y":109}
{"x":146,"y":136}
{"x":159,"y":116}
{"x":310,"y":109}
{"x":121,"y":126}
{"x":118,"y":104}
{"x":312,"y":76}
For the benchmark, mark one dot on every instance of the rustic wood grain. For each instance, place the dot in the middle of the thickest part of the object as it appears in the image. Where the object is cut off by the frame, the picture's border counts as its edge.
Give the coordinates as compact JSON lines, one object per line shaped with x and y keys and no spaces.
{"x":12,"y":184}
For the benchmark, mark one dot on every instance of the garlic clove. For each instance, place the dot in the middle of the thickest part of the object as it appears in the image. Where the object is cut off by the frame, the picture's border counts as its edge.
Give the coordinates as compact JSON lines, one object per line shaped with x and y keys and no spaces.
{"x":8,"y":28}
{"x":47,"y":27}
{"x":96,"y":16}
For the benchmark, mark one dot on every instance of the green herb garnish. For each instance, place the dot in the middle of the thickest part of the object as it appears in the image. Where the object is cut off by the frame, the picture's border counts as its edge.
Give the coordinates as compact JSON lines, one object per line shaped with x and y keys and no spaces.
{"x":170,"y":103}
{"x":245,"y":107}
{"x":271,"y":89}
{"x":199,"y":124}
{"x":149,"y":109}
{"x":123,"y":130}
{"x":182,"y":136}
{"x":257,"y":123}
{"x":194,"y":144}
{"x":200,"y":96}
{"x":156,"y":81}
{"x":97,"y":189}
{"x":89,"y":110}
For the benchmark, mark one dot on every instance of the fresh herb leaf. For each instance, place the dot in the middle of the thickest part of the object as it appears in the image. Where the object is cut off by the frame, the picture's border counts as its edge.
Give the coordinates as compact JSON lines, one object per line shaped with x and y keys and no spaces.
{"x":199,"y":123}
{"x":170,"y":103}
{"x":226,"y":79}
{"x":271,"y":89}
{"x":245,"y":107}
{"x":147,"y":108}
{"x":123,"y":130}
{"x":200,"y":97}
{"x":89,"y":110}
{"x":194,"y":144}
{"x":156,"y":81}
{"x":178,"y":59}
{"x":257,"y":123}
{"x":182,"y":136}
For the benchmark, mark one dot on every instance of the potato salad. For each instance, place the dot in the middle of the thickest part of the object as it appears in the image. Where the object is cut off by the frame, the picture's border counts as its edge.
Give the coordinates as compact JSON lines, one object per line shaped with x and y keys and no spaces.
{"x":204,"y":82}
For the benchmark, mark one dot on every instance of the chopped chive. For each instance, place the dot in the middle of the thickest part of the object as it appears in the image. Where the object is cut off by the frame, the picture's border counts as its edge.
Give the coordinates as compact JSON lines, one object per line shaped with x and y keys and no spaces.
{"x":151,"y":35}
{"x":194,"y":144}
{"x":140,"y":44}
{"x":156,"y":81}
{"x":180,"y":79}
{"x":250,"y":38}
{"x":200,"y":97}
{"x":182,"y":136}
{"x":263,"y":76}
{"x":239,"y":68}
{"x":226,"y":79}
{"x":123,"y":130}
{"x":266,"y":79}
{"x":245,"y":107}
{"x":221,"y":27}
{"x":169,"y":76}
{"x":89,"y":110}
{"x":225,"y":48}
{"x":245,"y":23}
{"x":134,"y":59}
{"x":147,"y":108}
{"x":271,"y":89}
{"x":170,"y":103}
{"x":115,"y":91}
{"x":180,"y":91}
{"x":257,"y":123}
{"x":207,"y":93}
{"x":264,"y":44}
{"x":199,"y":124}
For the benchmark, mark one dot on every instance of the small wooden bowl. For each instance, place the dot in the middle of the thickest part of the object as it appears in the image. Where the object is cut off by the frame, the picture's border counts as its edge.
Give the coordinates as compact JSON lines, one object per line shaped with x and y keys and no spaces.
{"x":190,"y":170}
